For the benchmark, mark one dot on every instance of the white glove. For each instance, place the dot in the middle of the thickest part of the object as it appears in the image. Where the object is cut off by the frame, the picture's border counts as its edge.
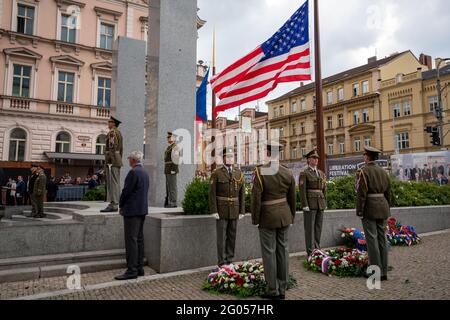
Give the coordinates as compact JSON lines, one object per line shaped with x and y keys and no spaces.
{"x":172,"y":172}
{"x":306,"y":209}
{"x":241,"y":216}
{"x":216,"y":216}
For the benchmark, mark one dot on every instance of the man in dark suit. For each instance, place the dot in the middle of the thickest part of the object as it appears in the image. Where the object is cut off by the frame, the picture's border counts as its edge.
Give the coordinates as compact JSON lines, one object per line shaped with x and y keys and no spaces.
{"x":21,"y":188}
{"x":134,"y":207}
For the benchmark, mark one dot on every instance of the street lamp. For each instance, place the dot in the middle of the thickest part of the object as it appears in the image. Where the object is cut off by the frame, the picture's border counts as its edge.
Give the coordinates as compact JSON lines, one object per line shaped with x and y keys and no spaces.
{"x":440,"y":111}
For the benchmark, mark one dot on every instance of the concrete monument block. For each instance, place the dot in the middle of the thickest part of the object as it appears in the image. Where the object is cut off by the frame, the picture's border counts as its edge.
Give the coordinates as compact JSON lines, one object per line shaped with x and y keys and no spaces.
{"x":128,"y":98}
{"x":172,"y":42}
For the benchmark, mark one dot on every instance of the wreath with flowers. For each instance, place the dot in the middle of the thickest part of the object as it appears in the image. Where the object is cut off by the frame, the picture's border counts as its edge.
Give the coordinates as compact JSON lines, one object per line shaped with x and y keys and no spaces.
{"x":242,"y":280}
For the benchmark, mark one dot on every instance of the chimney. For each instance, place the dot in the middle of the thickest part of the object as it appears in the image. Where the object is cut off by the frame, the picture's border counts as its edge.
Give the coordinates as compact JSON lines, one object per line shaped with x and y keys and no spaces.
{"x":426,"y":60}
{"x":372,"y":59}
{"x":301,"y":84}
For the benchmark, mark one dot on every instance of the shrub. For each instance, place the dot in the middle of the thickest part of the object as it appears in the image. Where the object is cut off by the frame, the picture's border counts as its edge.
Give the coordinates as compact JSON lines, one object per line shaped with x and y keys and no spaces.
{"x":341,"y":193}
{"x":196,"y":198}
{"x":96,"y":194}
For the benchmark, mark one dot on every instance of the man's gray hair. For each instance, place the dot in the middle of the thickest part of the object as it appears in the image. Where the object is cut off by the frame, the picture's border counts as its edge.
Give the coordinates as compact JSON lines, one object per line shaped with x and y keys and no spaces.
{"x":136,"y":155}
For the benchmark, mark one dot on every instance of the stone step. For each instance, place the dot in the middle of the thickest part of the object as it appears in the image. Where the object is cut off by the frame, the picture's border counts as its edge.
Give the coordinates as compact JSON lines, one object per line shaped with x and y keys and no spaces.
{"x":34,"y":273}
{"x":60,"y":259}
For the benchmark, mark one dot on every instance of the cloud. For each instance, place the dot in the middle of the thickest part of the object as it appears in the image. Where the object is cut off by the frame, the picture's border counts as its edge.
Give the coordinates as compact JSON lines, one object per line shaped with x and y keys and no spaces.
{"x":351,"y":30}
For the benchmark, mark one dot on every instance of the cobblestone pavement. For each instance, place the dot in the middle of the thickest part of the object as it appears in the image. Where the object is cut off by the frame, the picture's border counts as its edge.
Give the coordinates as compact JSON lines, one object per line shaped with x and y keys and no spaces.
{"x":420,"y":272}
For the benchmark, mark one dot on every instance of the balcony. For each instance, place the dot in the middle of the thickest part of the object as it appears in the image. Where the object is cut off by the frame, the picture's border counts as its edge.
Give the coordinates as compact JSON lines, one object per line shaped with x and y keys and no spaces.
{"x":18,"y":103}
{"x":64,"y":108}
{"x":21,"y":104}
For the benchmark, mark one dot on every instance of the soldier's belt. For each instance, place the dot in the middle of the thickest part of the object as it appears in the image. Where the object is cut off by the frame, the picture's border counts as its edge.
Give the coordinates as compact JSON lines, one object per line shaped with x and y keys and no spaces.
{"x":274,"y":202}
{"x":169,"y":162}
{"x":228,"y":199}
{"x":375,"y":195}
{"x":314,"y":190}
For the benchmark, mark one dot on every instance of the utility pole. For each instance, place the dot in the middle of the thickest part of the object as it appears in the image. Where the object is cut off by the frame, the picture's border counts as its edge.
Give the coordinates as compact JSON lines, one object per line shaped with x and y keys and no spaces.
{"x":213,"y":122}
{"x":440,"y":109}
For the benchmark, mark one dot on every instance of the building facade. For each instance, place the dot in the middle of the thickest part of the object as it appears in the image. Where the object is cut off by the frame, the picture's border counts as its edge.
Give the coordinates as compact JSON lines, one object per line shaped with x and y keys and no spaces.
{"x":55,"y":83}
{"x":386,"y":104}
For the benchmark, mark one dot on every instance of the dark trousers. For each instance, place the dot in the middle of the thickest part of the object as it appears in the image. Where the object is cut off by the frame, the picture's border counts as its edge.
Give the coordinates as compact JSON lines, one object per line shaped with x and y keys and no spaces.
{"x":134,"y":243}
{"x":19,"y":201}
{"x":313,"y":229}
{"x":374,"y":230}
{"x":171,"y":190}
{"x":275,"y":256}
{"x":226,"y":240}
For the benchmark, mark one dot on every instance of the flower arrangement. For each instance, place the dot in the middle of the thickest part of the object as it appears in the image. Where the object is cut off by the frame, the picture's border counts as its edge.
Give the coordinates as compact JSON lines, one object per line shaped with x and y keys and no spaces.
{"x":354,"y":238}
{"x":341,"y":262}
{"x":243,"y":280}
{"x":399,"y":235}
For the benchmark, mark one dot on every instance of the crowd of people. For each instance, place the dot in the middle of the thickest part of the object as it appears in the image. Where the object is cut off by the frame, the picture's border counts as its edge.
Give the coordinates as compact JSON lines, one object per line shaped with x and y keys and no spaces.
{"x":435,"y":173}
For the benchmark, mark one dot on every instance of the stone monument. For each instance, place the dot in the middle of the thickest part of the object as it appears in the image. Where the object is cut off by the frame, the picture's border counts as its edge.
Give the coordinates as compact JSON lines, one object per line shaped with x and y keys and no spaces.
{"x":128,"y":100}
{"x":171,"y":76}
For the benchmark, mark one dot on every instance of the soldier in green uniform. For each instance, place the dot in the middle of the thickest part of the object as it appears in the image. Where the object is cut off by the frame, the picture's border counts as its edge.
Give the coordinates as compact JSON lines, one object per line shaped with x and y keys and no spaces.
{"x":227,"y":204}
{"x":313,"y":190}
{"x":171,"y":157}
{"x":33,"y":177}
{"x":273,"y":211}
{"x":113,"y":163}
{"x":38,"y":194}
{"x":373,"y":207}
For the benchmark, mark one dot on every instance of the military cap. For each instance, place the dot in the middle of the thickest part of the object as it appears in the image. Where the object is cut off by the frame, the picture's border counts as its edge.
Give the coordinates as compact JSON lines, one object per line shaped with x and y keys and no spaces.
{"x":170,"y":135}
{"x":116,"y":121}
{"x":372,"y":150}
{"x":228,"y":151}
{"x":313,"y":154}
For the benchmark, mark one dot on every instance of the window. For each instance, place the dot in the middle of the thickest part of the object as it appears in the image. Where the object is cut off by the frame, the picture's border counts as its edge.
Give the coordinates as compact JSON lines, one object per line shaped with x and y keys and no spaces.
{"x":281,"y":111}
{"x":330,"y":97}
{"x":294,"y":107}
{"x":62,"y":143}
{"x":21,"y":81}
{"x":104,"y":92}
{"x":357,"y":145}
{"x":303,"y":151}
{"x":275,"y":112}
{"x":433,"y":103}
{"x":65,"y":86}
{"x":397,"y":112}
{"x":314,"y":103}
{"x":356,"y":118}
{"x":25,"y":19}
{"x":365,"y":114}
{"x":106,"y":36}
{"x":294,"y":129}
{"x":365,"y":87}
{"x":294,"y":153}
{"x":406,"y":108}
{"x":341,"y":94}
{"x":281,"y":132}
{"x":281,"y":154}
{"x":330,"y":122}
{"x":356,"y":89}
{"x":341,"y":120}
{"x":367,"y":141}
{"x":330,"y":149}
{"x":68,"y":28}
{"x":17,"y":143}
{"x":100,"y":145}
{"x":402,"y":140}
{"x":302,"y":128}
{"x":315,"y":126}
{"x":303,"y":105}
{"x":341,"y":147}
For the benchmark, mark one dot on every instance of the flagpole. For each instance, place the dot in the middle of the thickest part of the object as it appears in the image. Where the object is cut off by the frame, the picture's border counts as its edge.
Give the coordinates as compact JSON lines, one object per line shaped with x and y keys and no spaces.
{"x":213,"y":122}
{"x":319,"y":89}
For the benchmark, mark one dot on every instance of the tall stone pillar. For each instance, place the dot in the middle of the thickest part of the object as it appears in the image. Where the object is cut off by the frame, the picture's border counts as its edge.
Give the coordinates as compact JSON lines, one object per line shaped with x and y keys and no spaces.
{"x":171,"y":76}
{"x":128,"y":95}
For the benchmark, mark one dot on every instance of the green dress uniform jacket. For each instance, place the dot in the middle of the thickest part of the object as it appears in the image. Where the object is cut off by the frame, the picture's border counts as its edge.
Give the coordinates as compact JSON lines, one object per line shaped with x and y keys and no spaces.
{"x":40,"y":185}
{"x":273,"y":199}
{"x":169,"y":165}
{"x":373,"y":193}
{"x":114,"y":148}
{"x":227,"y":193}
{"x":313,"y":189}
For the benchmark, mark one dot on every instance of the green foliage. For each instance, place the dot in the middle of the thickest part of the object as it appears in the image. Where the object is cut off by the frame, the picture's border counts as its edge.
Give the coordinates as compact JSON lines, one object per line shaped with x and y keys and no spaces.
{"x":341,"y":193}
{"x":96,"y":194}
{"x":196,"y":198}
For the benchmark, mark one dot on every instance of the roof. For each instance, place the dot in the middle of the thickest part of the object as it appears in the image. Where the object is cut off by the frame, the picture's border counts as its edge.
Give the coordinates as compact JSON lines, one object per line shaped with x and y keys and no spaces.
{"x":339,"y":76}
{"x":432,"y":74}
{"x":259,"y":114}
{"x":74,"y":156}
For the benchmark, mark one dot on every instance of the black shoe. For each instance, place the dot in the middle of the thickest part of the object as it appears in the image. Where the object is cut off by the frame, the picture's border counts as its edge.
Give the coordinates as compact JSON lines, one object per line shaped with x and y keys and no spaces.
{"x":126,"y":276}
{"x":141,"y":273}
{"x":270,"y":297}
{"x":109,"y":210}
{"x":282,"y":297}
{"x":41,"y":216}
{"x":384,"y":278}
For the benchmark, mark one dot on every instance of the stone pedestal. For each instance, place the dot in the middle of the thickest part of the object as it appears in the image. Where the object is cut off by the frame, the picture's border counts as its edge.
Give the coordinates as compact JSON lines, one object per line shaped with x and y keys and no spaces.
{"x":172,"y":42}
{"x":128,"y":95}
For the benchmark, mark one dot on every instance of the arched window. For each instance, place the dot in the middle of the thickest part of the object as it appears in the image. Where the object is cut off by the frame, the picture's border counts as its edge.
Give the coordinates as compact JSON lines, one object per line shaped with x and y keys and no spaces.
{"x":100,"y":145}
{"x":17,"y":144}
{"x":62,"y":142}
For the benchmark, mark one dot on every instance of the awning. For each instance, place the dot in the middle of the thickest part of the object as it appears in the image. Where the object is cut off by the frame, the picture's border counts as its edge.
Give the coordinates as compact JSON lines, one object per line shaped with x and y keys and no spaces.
{"x":74,"y":156}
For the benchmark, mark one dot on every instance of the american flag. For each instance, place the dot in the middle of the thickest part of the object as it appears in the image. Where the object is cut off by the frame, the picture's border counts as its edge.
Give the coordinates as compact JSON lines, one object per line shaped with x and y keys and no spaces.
{"x":285,"y":57}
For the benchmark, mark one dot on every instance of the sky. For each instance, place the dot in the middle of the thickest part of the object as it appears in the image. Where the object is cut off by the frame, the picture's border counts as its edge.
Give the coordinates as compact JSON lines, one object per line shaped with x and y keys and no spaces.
{"x":351,"y":31}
